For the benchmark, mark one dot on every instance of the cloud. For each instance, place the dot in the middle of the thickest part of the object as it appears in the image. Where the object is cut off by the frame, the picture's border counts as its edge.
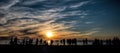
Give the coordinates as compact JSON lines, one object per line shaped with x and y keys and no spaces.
{"x":10,"y":4}
{"x":88,"y":22}
{"x":20,"y":19}
{"x":53,"y":13}
{"x":32,"y":2}
{"x":91,"y":31}
{"x":79,"y":4}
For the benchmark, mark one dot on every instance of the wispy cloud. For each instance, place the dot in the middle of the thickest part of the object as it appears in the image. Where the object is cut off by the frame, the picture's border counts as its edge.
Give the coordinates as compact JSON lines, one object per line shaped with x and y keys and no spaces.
{"x":91,"y":31}
{"x":88,"y":22}
{"x":10,"y":4}
{"x":79,"y":4}
{"x":23,"y":19}
{"x":32,"y":2}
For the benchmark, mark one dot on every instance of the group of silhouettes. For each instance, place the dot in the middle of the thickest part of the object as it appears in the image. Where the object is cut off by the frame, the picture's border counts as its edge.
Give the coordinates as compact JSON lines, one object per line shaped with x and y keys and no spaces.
{"x":114,"y":41}
{"x":29,"y":41}
{"x":68,"y":41}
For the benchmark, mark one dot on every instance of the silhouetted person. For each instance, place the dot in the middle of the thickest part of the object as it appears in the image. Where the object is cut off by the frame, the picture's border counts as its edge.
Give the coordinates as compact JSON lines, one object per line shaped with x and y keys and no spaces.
{"x":74,"y":41}
{"x":101,"y":42}
{"x":30,"y":41}
{"x":45,"y":43}
{"x":11,"y":41}
{"x":116,"y":41}
{"x":108,"y":42}
{"x":15,"y":40}
{"x":69,"y":41}
{"x":51,"y":42}
{"x":63,"y":41}
{"x":86,"y":41}
{"x":36,"y":43}
{"x":41,"y":42}
{"x":23,"y":41}
{"x":96,"y":42}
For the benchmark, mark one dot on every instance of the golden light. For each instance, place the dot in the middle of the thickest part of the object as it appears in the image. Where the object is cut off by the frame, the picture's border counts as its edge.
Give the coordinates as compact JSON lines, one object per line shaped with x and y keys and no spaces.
{"x":48,"y":42}
{"x":49,"y":34}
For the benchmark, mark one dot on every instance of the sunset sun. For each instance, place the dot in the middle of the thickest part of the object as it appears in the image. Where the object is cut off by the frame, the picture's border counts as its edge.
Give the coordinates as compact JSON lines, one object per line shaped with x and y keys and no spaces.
{"x":49,"y":34}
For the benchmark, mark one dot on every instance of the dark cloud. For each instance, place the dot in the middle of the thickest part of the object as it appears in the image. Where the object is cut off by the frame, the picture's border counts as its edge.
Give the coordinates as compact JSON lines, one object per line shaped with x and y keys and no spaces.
{"x":2,"y":15}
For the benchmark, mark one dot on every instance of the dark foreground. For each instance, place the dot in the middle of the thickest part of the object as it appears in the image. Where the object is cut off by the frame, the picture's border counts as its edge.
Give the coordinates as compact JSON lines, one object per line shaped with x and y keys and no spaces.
{"x":58,"y":49}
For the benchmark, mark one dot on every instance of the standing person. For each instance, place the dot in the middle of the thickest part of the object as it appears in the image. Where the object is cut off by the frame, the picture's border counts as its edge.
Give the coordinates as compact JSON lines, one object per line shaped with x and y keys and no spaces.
{"x":41,"y":42}
{"x":51,"y":42}
{"x":15,"y":40}
{"x":36,"y":43}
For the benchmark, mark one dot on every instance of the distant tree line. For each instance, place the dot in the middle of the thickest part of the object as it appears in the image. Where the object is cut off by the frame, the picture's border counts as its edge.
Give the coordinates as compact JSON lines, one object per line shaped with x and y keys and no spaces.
{"x":74,"y":41}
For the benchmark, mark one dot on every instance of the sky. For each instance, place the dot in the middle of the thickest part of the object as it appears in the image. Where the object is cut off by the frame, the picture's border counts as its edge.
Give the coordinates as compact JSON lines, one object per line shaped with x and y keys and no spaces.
{"x":65,"y":18}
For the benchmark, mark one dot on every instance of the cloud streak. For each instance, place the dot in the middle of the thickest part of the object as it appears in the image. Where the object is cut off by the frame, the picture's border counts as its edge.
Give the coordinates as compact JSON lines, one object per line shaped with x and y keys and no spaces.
{"x":11,"y":3}
{"x":21,"y":19}
{"x":79,"y":4}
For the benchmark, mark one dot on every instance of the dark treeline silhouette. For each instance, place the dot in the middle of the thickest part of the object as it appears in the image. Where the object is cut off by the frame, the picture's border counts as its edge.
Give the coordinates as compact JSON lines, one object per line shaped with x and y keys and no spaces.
{"x":74,"y":41}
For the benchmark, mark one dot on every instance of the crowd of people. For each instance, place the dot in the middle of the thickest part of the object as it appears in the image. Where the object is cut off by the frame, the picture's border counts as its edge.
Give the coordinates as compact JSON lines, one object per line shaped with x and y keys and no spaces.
{"x":28,"y":41}
{"x":114,"y":41}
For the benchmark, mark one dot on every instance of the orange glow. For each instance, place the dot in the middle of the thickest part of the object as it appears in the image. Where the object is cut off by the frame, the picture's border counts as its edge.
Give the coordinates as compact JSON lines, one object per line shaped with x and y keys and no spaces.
{"x":49,"y":34}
